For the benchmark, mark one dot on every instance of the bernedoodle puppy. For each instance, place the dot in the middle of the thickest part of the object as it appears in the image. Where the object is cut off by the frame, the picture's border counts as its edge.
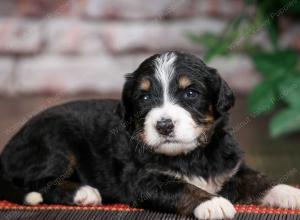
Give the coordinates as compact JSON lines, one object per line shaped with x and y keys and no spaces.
{"x":165,"y":146}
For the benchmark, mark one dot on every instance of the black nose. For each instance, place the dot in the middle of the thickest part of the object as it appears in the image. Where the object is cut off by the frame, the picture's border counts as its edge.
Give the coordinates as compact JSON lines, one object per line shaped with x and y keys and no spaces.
{"x":165,"y":126}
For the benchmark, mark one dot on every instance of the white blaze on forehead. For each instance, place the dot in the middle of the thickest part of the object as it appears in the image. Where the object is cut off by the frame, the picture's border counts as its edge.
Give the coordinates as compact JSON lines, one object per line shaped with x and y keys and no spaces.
{"x":164,"y":70}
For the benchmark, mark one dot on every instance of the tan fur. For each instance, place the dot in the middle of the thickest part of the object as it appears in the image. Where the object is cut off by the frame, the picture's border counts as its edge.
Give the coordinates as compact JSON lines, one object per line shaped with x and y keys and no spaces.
{"x":184,"y":82}
{"x":145,"y":85}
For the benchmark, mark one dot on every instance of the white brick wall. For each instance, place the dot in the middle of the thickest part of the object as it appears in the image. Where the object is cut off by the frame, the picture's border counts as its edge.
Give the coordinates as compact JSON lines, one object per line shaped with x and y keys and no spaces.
{"x":87,"y":45}
{"x":73,"y":36}
{"x":20,"y":36}
{"x":141,"y":9}
{"x":6,"y":75}
{"x":158,"y":36}
{"x":58,"y":74}
{"x":53,"y":73}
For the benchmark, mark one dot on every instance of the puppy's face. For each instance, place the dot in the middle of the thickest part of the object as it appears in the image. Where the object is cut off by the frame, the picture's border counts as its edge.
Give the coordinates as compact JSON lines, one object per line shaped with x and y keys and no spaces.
{"x":172,"y":101}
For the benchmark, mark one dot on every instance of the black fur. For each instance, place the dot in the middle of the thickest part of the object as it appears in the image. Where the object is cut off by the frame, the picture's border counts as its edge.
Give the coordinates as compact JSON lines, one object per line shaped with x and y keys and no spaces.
{"x":94,"y":143}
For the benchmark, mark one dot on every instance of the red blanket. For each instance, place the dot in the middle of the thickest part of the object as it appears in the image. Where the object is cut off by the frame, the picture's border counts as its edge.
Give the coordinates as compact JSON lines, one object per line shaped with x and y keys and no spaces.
{"x":122,"y":207}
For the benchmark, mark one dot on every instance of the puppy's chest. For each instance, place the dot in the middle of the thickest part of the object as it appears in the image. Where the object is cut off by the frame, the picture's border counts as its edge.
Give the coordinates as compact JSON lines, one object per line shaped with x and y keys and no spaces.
{"x":212,"y":184}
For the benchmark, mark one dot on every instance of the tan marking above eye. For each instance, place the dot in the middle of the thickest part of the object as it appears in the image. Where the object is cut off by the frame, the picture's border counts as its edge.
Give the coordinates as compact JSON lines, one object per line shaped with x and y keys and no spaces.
{"x":184,"y":82}
{"x":145,"y":85}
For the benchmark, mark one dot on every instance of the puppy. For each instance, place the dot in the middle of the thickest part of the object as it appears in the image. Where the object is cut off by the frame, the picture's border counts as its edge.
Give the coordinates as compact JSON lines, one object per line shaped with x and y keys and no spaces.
{"x":166,"y":146}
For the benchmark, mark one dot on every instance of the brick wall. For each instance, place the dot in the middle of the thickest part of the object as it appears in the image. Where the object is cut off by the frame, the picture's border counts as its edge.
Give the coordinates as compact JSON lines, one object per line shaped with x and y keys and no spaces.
{"x":72,"y":46}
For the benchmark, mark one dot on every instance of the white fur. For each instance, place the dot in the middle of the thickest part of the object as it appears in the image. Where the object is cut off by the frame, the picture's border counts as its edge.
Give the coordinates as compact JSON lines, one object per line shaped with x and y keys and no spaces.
{"x":164,"y":70}
{"x":186,"y":131}
{"x":283,"y":196}
{"x":87,"y":195}
{"x":33,"y":198}
{"x":216,"y":208}
{"x":213,"y":185}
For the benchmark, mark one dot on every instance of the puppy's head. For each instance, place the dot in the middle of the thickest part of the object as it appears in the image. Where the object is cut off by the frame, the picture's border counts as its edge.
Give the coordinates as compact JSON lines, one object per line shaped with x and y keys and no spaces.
{"x":172,"y":101}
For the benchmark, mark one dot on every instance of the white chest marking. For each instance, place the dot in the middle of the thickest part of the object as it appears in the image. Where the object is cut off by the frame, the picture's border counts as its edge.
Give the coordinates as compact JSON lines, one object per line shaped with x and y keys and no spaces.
{"x":212,"y":185}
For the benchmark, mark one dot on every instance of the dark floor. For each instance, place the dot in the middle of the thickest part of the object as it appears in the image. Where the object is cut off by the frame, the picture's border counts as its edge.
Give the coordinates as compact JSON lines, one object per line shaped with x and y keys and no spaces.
{"x":279,"y":158}
{"x":145,"y":215}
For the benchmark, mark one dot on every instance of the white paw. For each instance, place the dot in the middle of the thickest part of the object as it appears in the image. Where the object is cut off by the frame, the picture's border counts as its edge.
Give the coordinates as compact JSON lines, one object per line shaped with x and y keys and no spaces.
{"x":87,"y":195}
{"x":216,"y":208}
{"x":33,"y":198}
{"x":282,"y":196}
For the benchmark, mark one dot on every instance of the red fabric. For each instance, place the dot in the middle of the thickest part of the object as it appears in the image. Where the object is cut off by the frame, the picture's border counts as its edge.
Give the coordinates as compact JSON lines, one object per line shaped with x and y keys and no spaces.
{"x":122,"y":207}
{"x":113,"y":207}
{"x":265,"y":210}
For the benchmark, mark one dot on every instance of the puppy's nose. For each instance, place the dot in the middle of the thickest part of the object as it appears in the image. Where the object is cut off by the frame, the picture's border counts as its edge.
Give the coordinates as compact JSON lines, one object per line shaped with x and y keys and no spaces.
{"x":165,"y":126}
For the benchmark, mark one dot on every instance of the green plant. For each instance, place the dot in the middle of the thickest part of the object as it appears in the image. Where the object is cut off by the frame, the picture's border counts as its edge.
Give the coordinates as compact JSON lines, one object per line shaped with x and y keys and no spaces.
{"x":280,"y":89}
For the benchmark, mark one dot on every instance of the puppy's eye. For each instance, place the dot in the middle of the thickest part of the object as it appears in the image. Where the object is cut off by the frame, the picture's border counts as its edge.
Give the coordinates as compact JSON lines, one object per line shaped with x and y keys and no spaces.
{"x":145,"y":97}
{"x":190,"y":94}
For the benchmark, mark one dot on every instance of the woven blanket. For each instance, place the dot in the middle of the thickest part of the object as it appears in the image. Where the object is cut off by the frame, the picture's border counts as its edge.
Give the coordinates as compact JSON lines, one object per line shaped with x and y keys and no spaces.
{"x":11,"y":211}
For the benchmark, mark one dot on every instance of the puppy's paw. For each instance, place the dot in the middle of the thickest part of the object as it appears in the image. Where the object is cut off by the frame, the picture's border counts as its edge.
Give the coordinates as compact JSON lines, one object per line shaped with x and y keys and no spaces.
{"x":87,"y":195}
{"x":33,"y":198}
{"x":216,"y":208}
{"x":282,"y":196}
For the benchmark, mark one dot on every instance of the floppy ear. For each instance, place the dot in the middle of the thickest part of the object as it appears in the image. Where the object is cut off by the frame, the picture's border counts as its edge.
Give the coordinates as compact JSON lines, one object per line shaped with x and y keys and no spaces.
{"x":125,"y":107}
{"x":224,"y":96}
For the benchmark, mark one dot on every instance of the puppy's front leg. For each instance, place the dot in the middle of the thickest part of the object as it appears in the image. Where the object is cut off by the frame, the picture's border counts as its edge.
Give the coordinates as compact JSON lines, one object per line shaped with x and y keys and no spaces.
{"x":249,"y":186}
{"x":167,"y":194}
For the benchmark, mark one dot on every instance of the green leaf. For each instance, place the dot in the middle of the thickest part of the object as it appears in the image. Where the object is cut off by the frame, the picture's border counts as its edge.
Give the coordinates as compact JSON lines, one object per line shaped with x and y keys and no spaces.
{"x":207,"y":39}
{"x":285,"y":122}
{"x":275,"y":64}
{"x":214,"y":45}
{"x":273,"y":31}
{"x":215,"y":51}
{"x":218,"y":44}
{"x":263,"y":98}
{"x":290,"y":90}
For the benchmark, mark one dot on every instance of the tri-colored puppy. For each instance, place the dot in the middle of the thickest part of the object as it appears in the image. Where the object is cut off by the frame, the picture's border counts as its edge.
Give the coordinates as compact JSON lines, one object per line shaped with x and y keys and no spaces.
{"x":165,"y":146}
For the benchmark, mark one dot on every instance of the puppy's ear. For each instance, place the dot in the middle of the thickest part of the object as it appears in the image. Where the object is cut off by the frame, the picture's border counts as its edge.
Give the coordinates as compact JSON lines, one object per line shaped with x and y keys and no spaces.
{"x":125,"y":107}
{"x":224,"y":96}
